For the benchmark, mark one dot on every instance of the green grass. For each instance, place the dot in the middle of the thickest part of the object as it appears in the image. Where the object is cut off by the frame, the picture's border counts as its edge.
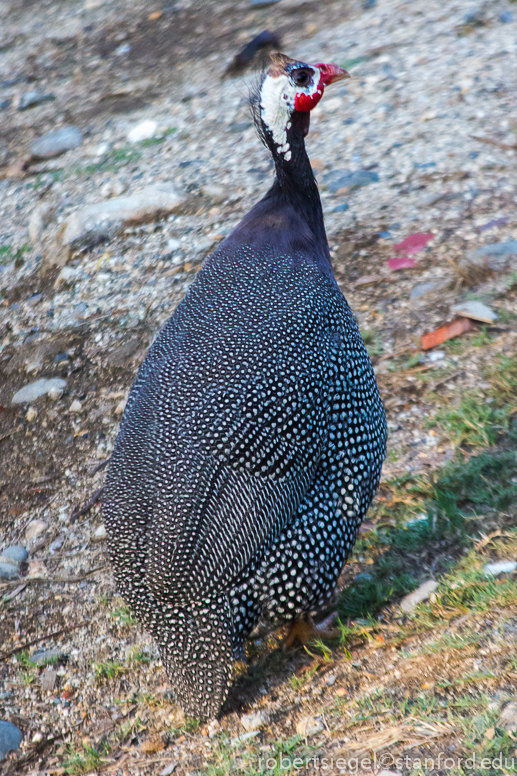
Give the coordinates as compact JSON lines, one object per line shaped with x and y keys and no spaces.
{"x":140,"y":657}
{"x":123,"y":616}
{"x":110,"y":669}
{"x":153,"y":141}
{"x":373,"y":342}
{"x":479,"y":418}
{"x":474,"y":421}
{"x":43,"y":178}
{"x":349,"y":63}
{"x":9,"y":254}
{"x":485,"y":484}
{"x":129,"y":729}
{"x":89,"y":759}
{"x":112,"y":162}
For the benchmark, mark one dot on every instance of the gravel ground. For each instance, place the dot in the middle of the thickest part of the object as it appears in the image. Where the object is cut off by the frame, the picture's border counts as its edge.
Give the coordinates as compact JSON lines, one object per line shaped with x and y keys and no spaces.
{"x":428,"y":126}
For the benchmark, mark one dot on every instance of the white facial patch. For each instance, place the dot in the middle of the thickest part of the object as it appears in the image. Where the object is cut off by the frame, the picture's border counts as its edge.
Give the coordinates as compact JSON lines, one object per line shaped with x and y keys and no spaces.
{"x":277,"y":104}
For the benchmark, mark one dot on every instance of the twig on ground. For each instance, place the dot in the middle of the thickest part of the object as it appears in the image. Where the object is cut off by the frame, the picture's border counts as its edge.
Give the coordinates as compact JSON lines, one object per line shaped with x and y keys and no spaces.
{"x":80,"y":511}
{"x":489,"y":141}
{"x":10,"y":596}
{"x":100,"y":466}
{"x":47,"y":636}
{"x":54,"y":580}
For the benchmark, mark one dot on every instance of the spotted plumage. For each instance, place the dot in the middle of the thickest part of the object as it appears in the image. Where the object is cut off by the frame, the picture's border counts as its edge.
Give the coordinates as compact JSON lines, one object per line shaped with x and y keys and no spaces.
{"x":254,"y":434}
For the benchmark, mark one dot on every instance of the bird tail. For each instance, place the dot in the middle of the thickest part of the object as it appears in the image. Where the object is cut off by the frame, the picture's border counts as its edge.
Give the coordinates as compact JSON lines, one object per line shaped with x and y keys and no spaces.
{"x":196,"y":649}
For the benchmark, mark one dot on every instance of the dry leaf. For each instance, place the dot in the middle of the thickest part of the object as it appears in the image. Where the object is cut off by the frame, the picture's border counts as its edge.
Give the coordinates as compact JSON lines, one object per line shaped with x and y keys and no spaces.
{"x":152,"y":745}
{"x":454,"y":329}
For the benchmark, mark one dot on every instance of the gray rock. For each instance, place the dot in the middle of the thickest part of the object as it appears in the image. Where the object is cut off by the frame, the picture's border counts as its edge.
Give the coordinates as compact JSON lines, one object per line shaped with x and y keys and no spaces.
{"x":16,"y":553}
{"x":494,"y":256}
{"x":48,"y":680}
{"x":31,"y":99}
{"x":424,"y":293}
{"x":100,"y":533}
{"x":422,"y":289}
{"x":173,"y":244}
{"x":41,"y":387}
{"x":254,"y":720}
{"x":410,"y":601}
{"x":42,"y":656}
{"x":350,"y":180}
{"x":309,"y":726}
{"x":341,"y":208}
{"x":508,"y":718}
{"x":475,"y":310}
{"x":436,"y":355}
{"x":92,"y":224}
{"x":10,"y":737}
{"x":57,"y":142}
{"x":35,"y":529}
{"x":9,"y":570}
{"x":501,"y":567}
{"x":170,"y":768}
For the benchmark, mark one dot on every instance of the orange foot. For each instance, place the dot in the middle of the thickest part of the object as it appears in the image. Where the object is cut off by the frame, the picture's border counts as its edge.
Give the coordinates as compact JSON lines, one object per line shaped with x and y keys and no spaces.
{"x":305,"y":631}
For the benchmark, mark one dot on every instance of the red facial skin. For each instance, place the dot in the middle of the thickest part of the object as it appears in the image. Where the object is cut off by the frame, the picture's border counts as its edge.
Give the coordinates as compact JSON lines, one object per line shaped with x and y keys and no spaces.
{"x":328,"y":75}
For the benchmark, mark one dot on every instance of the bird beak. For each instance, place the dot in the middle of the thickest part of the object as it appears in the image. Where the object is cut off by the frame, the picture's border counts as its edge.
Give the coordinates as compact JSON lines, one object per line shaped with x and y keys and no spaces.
{"x":332,"y":73}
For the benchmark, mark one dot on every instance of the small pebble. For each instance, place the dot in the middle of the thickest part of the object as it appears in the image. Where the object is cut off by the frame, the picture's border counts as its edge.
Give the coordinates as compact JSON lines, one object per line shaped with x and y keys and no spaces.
{"x":475,"y":310}
{"x":56,"y":143}
{"x":409,"y":602}
{"x":55,"y":393}
{"x":41,"y":656}
{"x":169,"y":768}
{"x":31,"y":99}
{"x":173,"y":244}
{"x":121,"y":406}
{"x":348,"y":179}
{"x":100,"y":533}
{"x":9,"y":570}
{"x":422,"y":289}
{"x":10,"y":737}
{"x":143,"y":131}
{"x":508,"y":718}
{"x":48,"y":680}
{"x":51,"y":387}
{"x":254,"y":720}
{"x":16,"y":553}
{"x":309,"y":726}
{"x":35,"y":529}
{"x":76,"y":406}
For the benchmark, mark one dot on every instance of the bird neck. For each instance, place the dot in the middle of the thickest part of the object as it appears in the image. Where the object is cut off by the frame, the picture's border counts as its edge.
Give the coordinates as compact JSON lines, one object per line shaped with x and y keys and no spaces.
{"x":295,"y":180}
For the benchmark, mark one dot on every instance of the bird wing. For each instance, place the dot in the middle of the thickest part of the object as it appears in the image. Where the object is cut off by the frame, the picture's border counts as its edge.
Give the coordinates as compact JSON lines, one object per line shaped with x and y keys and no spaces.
{"x":214,"y":465}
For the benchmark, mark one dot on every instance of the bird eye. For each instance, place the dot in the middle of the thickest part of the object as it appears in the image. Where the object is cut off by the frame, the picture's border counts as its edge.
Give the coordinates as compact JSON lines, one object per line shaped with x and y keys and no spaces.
{"x":301,"y":76}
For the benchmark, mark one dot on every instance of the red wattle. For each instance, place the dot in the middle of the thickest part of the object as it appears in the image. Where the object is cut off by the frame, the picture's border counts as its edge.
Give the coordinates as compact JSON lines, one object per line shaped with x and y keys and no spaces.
{"x":306,"y":102}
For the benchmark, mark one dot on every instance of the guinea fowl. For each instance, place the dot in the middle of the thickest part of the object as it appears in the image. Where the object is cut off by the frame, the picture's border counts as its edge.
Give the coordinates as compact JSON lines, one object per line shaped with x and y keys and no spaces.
{"x":253,"y":437}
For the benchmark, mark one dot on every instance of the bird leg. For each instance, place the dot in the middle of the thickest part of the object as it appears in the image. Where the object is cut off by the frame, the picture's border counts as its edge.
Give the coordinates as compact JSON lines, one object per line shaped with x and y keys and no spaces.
{"x":305,"y":630}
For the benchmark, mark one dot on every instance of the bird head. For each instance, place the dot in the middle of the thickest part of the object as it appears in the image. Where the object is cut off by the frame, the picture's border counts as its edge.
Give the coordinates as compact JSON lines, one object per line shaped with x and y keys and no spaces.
{"x":291,"y":87}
